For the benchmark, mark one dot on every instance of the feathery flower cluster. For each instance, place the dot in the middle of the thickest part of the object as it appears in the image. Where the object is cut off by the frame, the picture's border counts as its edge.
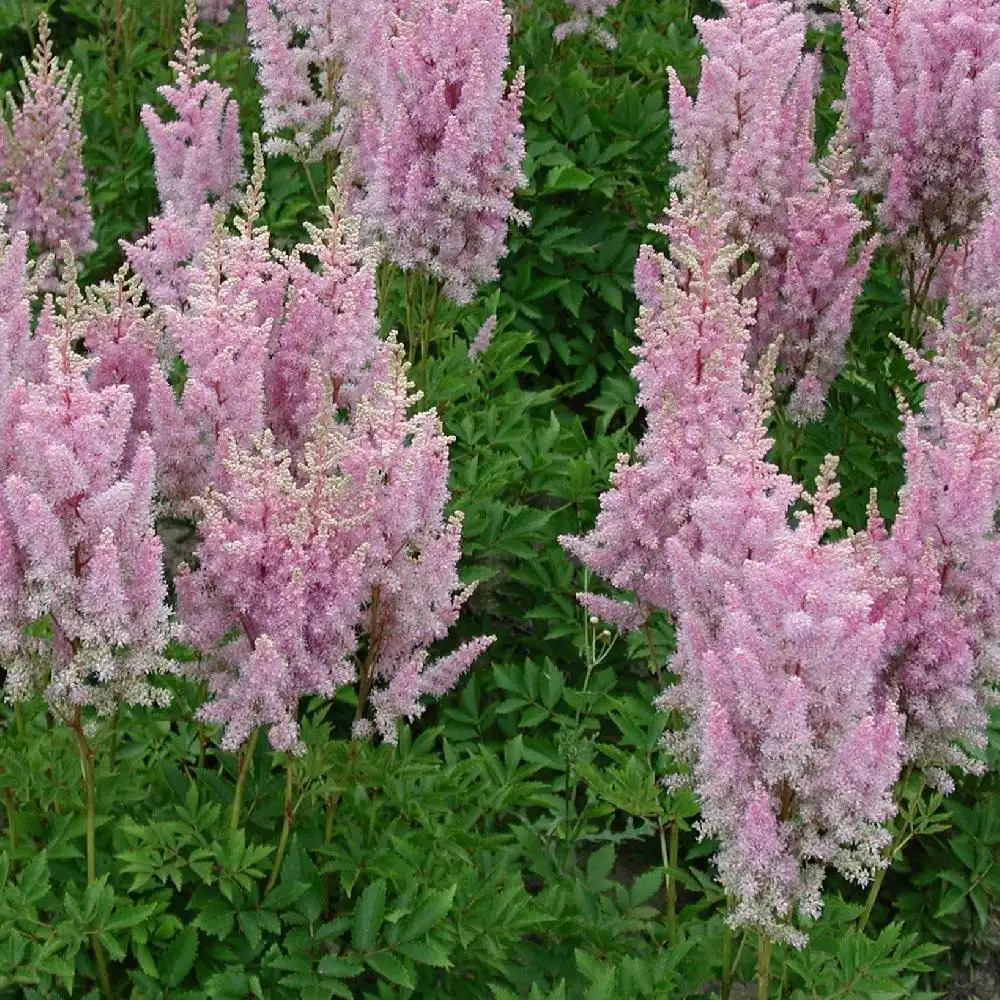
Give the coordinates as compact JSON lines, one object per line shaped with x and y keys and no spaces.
{"x":440,"y":141}
{"x":793,"y":747}
{"x":265,"y":337}
{"x":77,"y":545}
{"x":311,"y":59}
{"x":749,"y":137}
{"x":198,"y":158}
{"x":584,"y":14}
{"x":199,"y":163}
{"x":941,"y":562}
{"x":921,"y":74}
{"x":41,"y":166}
{"x":306,"y":559}
{"x":693,"y":335}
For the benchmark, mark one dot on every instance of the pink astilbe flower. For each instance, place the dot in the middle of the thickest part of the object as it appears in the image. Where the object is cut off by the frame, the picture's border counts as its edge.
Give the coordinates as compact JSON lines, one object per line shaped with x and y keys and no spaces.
{"x":441,"y":143}
{"x":693,"y":335}
{"x":326,"y":337}
{"x":749,"y":137}
{"x":76,"y":538}
{"x":338,"y":569}
{"x":793,"y":749}
{"x":224,"y":350}
{"x":584,"y":14}
{"x":122,"y":340}
{"x":941,"y":562}
{"x":311,"y":65}
{"x":483,"y":337}
{"x":41,"y":166}
{"x":791,"y":739}
{"x":921,"y":73}
{"x":198,"y":157}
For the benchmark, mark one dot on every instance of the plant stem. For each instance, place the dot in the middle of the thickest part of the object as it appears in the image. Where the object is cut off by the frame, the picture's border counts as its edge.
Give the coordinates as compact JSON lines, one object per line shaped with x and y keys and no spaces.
{"x":727,"y":962}
{"x":87,"y":769}
{"x":764,"y":945}
{"x":246,"y":759}
{"x":669,"y":856}
{"x":114,"y":737}
{"x":286,"y":826}
{"x":8,"y":797}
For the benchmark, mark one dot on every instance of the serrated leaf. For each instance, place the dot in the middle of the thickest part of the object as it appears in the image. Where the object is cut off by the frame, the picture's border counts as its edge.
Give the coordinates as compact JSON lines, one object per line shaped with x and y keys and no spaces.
{"x":177,"y":960}
{"x":391,"y":968}
{"x":368,"y":916}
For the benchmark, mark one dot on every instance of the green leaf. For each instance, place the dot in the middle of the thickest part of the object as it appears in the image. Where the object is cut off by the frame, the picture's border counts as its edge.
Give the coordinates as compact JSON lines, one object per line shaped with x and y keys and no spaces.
{"x":568,"y":177}
{"x":178,"y":959}
{"x":368,"y":916}
{"x":436,"y":906}
{"x":391,"y":968}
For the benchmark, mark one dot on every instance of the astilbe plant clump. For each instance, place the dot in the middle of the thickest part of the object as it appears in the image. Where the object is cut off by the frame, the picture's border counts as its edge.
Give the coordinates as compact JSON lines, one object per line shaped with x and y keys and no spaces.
{"x":78,"y":553}
{"x":337,"y":569}
{"x":921,"y":75}
{"x":792,"y":744}
{"x":440,"y":141}
{"x":41,"y":166}
{"x":748,"y":136}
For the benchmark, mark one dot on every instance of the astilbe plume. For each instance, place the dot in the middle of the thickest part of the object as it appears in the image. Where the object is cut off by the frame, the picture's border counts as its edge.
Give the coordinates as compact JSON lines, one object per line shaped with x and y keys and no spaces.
{"x":197,"y":156}
{"x":310,"y":57}
{"x":792,"y":743}
{"x":77,"y":546}
{"x":584,"y":15}
{"x":793,"y":747}
{"x":749,"y":136}
{"x":941,"y":561}
{"x":693,"y":333}
{"x":199,"y":168}
{"x":224,"y":350}
{"x":921,"y":74}
{"x":41,"y":166}
{"x":335,"y":569}
{"x":440,"y":141}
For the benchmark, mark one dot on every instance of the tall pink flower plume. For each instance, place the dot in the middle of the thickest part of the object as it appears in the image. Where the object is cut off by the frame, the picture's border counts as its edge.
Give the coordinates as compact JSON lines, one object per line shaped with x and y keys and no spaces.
{"x":76,"y":535}
{"x":940,"y":562}
{"x":921,"y":74}
{"x":339,"y":568}
{"x":693,"y":335}
{"x":41,"y":166}
{"x":440,"y":141}
{"x":749,"y":137}
{"x":198,"y":157}
{"x":309,"y":56}
{"x":792,"y":742}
